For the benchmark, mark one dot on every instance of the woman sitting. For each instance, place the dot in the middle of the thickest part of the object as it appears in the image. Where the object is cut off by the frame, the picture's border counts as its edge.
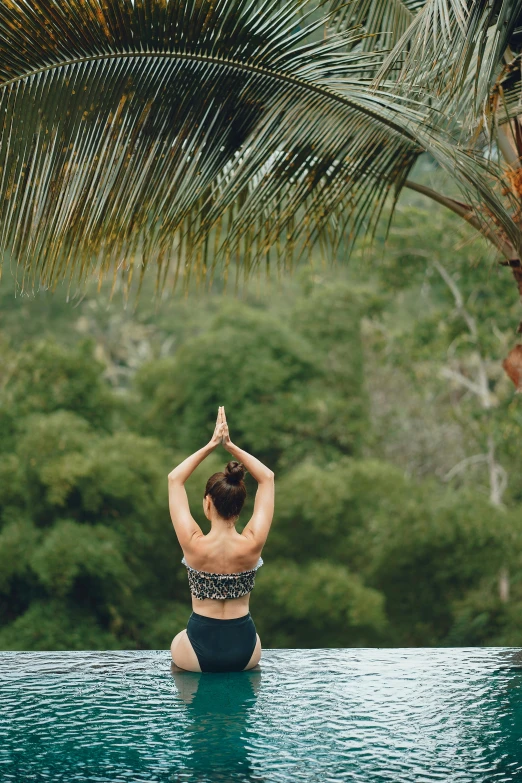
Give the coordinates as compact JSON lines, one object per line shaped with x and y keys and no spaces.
{"x":220,"y":635}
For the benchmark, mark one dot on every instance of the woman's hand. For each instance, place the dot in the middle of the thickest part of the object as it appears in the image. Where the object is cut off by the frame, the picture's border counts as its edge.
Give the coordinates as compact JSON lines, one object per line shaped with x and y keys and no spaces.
{"x":225,"y":437}
{"x":217,"y":437}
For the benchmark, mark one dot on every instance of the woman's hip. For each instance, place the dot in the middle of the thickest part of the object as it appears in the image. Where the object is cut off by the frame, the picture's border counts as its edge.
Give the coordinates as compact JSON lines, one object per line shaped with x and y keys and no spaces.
{"x":222,"y":645}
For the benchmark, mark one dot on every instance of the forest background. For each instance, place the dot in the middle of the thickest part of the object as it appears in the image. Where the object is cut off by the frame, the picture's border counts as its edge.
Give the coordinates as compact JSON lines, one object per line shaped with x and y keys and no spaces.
{"x":374,"y":390}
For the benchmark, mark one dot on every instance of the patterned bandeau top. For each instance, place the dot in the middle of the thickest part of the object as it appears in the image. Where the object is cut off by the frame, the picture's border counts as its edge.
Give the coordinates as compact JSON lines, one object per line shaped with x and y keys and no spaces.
{"x":204,"y":584}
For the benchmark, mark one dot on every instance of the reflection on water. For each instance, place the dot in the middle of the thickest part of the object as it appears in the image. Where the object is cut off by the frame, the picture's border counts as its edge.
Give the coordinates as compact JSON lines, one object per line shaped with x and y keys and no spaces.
{"x":308,"y":716}
{"x":219,"y":707}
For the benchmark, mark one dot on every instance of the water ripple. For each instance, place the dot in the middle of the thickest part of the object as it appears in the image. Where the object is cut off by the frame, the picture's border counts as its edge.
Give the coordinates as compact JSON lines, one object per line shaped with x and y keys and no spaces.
{"x":316,"y":716}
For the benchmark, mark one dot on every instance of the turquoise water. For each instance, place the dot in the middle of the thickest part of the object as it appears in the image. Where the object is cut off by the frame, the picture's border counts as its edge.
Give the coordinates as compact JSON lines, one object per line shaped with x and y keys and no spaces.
{"x":361,"y":715}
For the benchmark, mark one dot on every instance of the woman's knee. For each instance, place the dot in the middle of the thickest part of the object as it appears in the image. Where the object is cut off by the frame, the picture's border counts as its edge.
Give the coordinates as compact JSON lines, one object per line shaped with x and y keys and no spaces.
{"x":183,"y":653}
{"x":256,"y":655}
{"x":177,"y":639}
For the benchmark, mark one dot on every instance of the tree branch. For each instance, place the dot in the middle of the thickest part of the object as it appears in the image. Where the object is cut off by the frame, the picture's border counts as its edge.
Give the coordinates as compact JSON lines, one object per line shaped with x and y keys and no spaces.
{"x":459,"y":302}
{"x":467,"y":213}
{"x":462,"y":380}
{"x":460,"y":466}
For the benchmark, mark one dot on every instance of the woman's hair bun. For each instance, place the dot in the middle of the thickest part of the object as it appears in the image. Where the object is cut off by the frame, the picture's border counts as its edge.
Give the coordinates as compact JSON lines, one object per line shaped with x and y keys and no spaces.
{"x":234,"y":472}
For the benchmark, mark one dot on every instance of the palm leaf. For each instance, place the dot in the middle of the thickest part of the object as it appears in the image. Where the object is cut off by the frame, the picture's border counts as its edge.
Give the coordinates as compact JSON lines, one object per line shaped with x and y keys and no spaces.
{"x":414,"y":5}
{"x":385,"y":21}
{"x":452,"y":45}
{"x":153,"y":131}
{"x":463,"y":60}
{"x":150,"y":132}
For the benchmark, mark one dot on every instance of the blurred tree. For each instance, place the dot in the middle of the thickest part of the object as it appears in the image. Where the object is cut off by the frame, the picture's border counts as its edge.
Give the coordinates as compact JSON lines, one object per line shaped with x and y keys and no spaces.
{"x":317,"y":604}
{"x":290,"y":389}
{"x":47,"y":376}
{"x":83,"y":515}
{"x":419,"y":546}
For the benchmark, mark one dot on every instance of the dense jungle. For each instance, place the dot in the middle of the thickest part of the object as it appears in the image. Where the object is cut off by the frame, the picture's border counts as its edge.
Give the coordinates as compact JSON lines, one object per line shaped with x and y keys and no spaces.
{"x":374,"y":390}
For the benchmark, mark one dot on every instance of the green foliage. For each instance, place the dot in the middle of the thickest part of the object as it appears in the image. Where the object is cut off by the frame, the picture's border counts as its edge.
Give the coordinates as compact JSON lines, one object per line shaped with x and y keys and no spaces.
{"x":47,"y":377}
{"x":72,"y":550}
{"x":18,"y":540}
{"x":56,"y":625}
{"x":290,"y":396}
{"x":317,"y":604}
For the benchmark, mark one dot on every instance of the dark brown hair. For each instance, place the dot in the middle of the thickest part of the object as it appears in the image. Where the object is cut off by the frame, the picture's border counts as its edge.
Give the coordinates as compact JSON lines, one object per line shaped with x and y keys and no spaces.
{"x":227,"y":490}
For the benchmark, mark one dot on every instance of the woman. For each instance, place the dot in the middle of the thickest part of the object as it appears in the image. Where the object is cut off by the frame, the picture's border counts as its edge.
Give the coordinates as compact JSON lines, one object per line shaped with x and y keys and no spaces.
{"x":221,"y":566}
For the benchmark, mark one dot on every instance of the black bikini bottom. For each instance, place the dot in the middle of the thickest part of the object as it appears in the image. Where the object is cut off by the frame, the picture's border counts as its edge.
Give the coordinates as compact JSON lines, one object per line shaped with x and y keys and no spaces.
{"x":222,"y":645}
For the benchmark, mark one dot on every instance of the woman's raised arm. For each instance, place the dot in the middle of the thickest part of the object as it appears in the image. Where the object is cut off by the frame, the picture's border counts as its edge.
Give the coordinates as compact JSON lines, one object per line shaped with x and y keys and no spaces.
{"x":254,"y":466}
{"x":186,"y":527}
{"x":257,"y":529}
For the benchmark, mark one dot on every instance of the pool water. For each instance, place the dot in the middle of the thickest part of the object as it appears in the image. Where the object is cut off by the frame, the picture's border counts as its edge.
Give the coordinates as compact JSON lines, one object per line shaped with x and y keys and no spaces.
{"x":361,"y":715}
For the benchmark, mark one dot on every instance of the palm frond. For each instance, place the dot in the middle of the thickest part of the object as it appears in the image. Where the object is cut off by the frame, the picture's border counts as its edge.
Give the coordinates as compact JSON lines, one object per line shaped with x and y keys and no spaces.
{"x":453,"y":45}
{"x":414,"y":5}
{"x":384,"y":21}
{"x":421,"y":53}
{"x":138,"y":133}
{"x":493,"y":203}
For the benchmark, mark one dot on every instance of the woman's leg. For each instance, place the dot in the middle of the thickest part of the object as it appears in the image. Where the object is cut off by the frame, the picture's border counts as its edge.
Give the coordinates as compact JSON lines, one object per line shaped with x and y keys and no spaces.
{"x":183,"y":653}
{"x":256,"y":655}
